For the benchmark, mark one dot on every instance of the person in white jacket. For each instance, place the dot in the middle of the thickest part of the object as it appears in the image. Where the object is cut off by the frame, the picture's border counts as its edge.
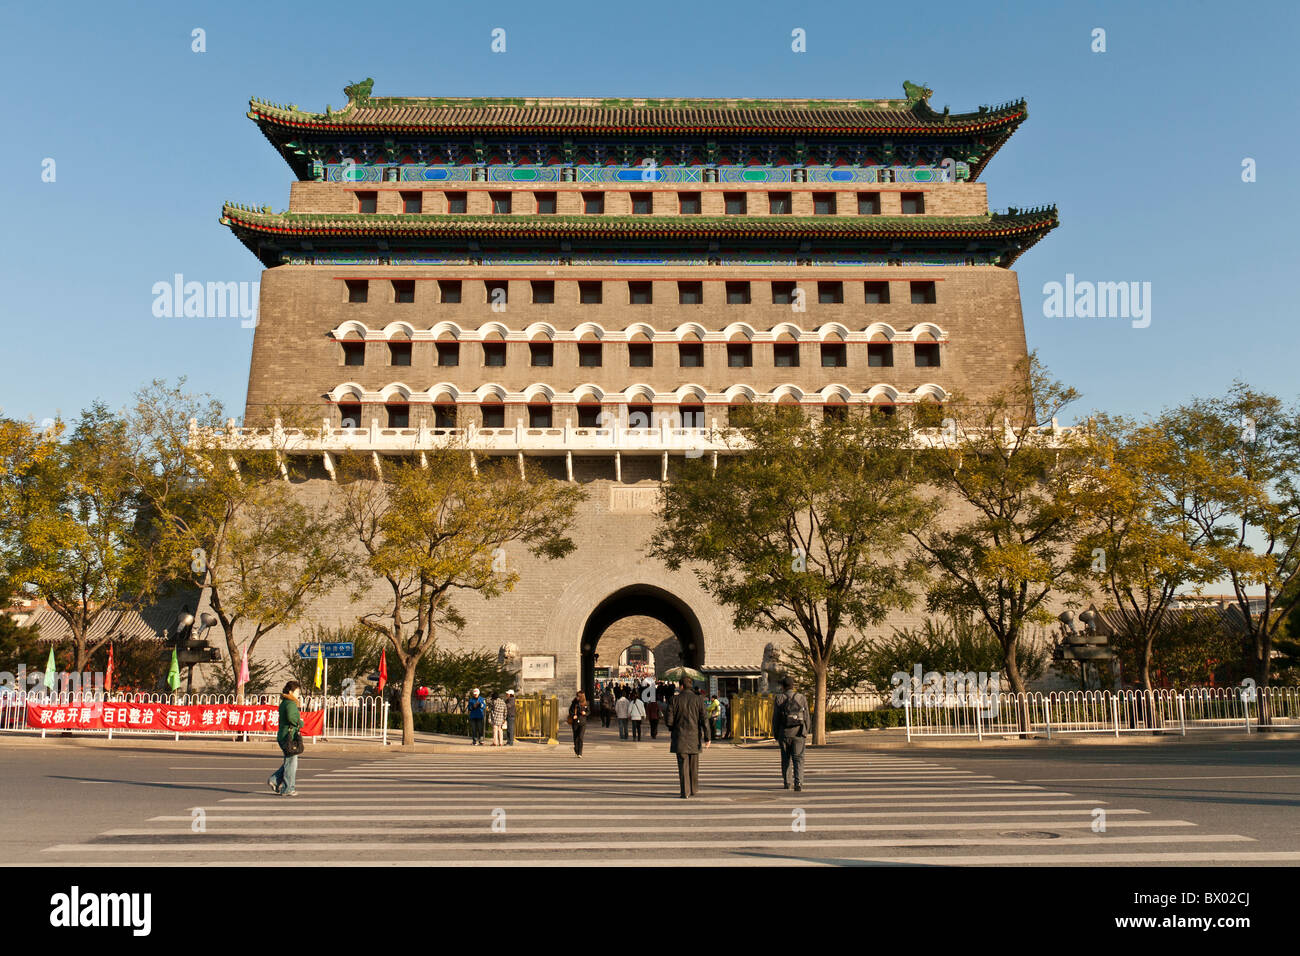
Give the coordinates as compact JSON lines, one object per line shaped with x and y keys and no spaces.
{"x":636,"y":714}
{"x":621,"y":711}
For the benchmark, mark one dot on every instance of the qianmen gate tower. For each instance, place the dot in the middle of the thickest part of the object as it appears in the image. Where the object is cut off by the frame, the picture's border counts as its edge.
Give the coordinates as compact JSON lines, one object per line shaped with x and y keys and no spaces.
{"x":597,"y":282}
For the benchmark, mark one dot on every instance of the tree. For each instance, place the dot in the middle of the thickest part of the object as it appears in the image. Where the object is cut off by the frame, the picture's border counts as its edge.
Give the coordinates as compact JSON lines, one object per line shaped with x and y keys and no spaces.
{"x":1138,"y":541}
{"x":1243,"y":455}
{"x":954,"y":645}
{"x":70,"y":524}
{"x":802,"y":533}
{"x":19,"y":644}
{"x":1005,"y":469}
{"x":437,"y":527}
{"x":363,"y":662}
{"x":455,"y":673}
{"x":228,"y":519}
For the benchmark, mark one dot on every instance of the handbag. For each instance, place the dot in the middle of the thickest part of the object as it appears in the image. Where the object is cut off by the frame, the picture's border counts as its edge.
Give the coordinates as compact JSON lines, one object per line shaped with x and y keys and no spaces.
{"x":293,"y":746}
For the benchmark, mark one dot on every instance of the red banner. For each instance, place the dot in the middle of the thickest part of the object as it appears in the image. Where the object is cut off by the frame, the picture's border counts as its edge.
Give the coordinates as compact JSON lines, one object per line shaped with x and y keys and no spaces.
{"x":168,"y":718}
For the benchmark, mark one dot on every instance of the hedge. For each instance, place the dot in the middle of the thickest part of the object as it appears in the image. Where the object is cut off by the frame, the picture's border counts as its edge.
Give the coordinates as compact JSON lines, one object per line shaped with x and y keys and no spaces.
{"x":865,"y":720}
{"x":456,"y":725}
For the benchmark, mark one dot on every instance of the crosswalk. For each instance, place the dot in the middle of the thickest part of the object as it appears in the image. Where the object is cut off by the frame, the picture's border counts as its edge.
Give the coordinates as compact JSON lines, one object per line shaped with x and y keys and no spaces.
{"x":620,"y":807}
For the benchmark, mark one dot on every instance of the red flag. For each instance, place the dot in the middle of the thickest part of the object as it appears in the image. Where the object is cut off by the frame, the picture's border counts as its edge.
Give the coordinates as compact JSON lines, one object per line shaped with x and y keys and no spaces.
{"x":383,"y":671}
{"x":108,"y":675}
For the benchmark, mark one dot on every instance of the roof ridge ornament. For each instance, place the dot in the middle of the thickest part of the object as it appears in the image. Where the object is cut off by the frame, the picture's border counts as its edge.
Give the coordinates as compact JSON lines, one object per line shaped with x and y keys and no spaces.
{"x":916,"y":94}
{"x":359,"y":93}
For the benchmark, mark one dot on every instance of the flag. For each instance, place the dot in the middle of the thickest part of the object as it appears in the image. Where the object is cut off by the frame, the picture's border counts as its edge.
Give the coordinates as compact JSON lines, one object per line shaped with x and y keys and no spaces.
{"x":174,"y":672}
{"x":383,"y":671}
{"x":320,"y":662}
{"x":243,"y":669}
{"x":108,"y":674}
{"x":50,"y":671}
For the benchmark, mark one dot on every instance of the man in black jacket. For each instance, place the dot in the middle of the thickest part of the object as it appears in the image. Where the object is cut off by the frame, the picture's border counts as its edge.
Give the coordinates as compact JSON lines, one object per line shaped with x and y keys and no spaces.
{"x":791,"y":721}
{"x":688,"y":726}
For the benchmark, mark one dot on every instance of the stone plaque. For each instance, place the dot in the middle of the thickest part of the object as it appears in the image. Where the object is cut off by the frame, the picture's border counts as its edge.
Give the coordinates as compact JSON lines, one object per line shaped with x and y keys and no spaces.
{"x":539,"y":667}
{"x":637,"y":500}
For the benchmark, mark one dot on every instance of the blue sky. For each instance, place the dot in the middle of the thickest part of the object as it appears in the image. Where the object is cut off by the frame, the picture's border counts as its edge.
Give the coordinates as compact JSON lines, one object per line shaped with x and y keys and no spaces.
{"x":1141,"y":148}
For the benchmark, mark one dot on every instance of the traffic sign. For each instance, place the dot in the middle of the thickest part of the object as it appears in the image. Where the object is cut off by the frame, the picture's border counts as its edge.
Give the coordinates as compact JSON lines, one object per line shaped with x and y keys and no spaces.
{"x":330,"y":651}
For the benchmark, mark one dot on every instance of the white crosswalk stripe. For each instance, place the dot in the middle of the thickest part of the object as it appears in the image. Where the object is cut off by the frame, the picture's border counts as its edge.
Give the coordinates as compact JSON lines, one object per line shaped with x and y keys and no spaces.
{"x":620,"y":806}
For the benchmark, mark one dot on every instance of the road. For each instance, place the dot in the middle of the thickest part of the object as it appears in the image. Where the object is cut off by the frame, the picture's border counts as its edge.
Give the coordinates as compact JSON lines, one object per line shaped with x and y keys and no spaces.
{"x":1160,"y":804}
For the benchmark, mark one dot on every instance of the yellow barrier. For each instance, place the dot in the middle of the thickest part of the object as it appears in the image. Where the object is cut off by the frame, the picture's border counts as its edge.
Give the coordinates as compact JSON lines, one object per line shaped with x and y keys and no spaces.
{"x":537,"y":718}
{"x":751,"y":717}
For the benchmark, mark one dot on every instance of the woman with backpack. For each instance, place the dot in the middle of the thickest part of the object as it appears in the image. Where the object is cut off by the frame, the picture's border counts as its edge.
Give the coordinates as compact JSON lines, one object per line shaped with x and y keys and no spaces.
{"x":289,"y":737}
{"x":578,"y":720}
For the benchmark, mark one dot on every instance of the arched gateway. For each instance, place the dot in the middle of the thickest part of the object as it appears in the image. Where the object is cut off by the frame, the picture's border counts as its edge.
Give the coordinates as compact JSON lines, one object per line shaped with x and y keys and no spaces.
{"x":641,"y":600}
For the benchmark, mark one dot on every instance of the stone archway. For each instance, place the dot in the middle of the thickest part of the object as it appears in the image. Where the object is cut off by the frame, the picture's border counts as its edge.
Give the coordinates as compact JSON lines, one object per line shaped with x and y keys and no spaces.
{"x":641,"y":600}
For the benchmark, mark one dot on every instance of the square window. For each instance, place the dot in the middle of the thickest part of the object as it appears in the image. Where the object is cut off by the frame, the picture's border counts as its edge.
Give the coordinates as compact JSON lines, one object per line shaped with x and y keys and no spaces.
{"x":456,"y":203}
{"x":823,"y":204}
{"x":590,"y":354}
{"x":778,"y":204}
{"x":589,"y":293}
{"x":444,"y":416}
{"x":349,"y":415}
{"x":690,"y":293}
{"x":737,"y":293}
{"x":498,"y":292}
{"x":494,"y":354}
{"x":358,"y":289}
{"x":593,"y":204}
{"x":588,"y":416}
{"x":639,"y":293}
{"x":367,"y":202}
{"x":642,"y":204}
{"x":399,"y":416}
{"x":404,"y":290}
{"x":877,"y":293}
{"x":640,"y":416}
{"x":913,"y":204}
{"x":399,"y":353}
{"x":782,"y":293}
{"x":545,"y":204}
{"x":785,"y":355}
{"x":500,"y":202}
{"x":834,"y":355}
{"x":880,"y":355}
{"x":690,"y":355}
{"x":927,"y":354}
{"x":868,"y":204}
{"x":740,"y":355}
{"x":541,"y":354}
{"x":690,"y":204}
{"x":640,"y":355}
{"x":692,"y":416}
{"x":354,"y":353}
{"x":449,"y":291}
{"x":735,"y":204}
{"x":448,"y":354}
{"x":412,"y":202}
{"x":830,"y":293}
{"x":923,"y":293}
{"x":543,"y":292}
{"x":539,"y":416}
{"x":494,"y":415}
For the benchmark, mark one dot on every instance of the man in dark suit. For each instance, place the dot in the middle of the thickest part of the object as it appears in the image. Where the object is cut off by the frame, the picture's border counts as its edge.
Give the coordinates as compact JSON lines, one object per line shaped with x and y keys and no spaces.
{"x":688,"y":726}
{"x":791,"y":723}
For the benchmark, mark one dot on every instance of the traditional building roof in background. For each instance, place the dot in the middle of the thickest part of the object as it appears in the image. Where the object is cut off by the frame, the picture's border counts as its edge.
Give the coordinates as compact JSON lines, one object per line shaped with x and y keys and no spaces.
{"x":253,"y":227}
{"x":151,"y":623}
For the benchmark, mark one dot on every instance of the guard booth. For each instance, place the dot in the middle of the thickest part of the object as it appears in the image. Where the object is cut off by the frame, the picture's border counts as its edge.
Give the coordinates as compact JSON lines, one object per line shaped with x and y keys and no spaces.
{"x":537,"y":717}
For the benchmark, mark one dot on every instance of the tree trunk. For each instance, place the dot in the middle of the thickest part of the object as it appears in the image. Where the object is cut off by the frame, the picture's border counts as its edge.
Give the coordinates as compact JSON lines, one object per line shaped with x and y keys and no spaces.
{"x":819,"y":725}
{"x":1146,"y":662}
{"x":1013,"y":669}
{"x":408,"y":711}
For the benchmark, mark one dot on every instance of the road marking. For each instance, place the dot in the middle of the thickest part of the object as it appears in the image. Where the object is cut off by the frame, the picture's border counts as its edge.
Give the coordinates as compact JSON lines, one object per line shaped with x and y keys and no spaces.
{"x":1226,"y":776}
{"x":474,"y":815}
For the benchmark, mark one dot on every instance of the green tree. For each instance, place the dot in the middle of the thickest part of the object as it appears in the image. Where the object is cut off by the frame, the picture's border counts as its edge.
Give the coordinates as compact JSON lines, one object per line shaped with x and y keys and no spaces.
{"x":455,"y":673}
{"x":1005,"y":470}
{"x":228,"y":518}
{"x":363,"y":662}
{"x":19,"y":644}
{"x":803,"y":532}
{"x":438,"y":527}
{"x":950,"y":645}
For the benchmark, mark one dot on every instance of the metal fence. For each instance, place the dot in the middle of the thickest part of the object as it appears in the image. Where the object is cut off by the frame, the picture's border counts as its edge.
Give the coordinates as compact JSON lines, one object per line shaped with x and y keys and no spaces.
{"x":537,"y":718}
{"x":346,"y":718}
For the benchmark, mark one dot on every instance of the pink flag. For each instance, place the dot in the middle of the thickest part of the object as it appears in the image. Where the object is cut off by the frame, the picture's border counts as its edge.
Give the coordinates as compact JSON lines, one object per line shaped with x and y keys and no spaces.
{"x":243,"y":669}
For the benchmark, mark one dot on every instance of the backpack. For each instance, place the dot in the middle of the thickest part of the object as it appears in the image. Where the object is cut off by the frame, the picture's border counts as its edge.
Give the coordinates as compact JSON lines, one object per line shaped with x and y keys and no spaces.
{"x":791,"y":715}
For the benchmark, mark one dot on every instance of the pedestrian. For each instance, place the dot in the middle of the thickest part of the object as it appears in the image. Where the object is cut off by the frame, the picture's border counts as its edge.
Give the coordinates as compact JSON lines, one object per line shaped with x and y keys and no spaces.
{"x":477,"y":710}
{"x":606,"y":706}
{"x":790,"y":724}
{"x":510,"y":718}
{"x":636,"y":714}
{"x":724,"y":728}
{"x":497,"y":717}
{"x":578,"y":720}
{"x":621,"y":709}
{"x":688,"y":726}
{"x":289,"y":737}
{"x":652,"y":714}
{"x":714,"y":709}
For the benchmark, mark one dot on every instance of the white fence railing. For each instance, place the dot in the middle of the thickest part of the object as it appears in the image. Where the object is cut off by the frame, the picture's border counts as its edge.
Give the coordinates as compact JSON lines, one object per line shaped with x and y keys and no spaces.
{"x":1102,"y":712}
{"x":346,"y":718}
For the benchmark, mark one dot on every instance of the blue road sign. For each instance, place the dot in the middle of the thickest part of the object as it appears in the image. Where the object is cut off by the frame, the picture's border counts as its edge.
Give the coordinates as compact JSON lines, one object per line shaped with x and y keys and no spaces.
{"x":331,"y":651}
